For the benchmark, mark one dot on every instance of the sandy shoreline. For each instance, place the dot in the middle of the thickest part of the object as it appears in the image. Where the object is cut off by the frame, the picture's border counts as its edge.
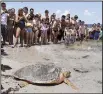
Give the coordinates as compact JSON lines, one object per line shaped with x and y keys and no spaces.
{"x":87,"y":57}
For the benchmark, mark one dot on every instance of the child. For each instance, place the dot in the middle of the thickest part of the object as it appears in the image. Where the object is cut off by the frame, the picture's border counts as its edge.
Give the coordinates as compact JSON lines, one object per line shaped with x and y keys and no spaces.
{"x":44,"y":28}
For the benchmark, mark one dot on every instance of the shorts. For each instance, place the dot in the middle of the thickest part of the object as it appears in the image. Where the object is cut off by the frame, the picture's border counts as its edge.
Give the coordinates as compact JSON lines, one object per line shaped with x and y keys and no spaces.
{"x":28,"y":29}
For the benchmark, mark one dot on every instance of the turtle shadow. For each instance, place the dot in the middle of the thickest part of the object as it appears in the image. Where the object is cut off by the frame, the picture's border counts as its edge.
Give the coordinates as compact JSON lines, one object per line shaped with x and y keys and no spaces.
{"x":5,"y":67}
{"x":80,"y":71}
{"x":40,"y":84}
{"x":3,"y":52}
{"x":37,"y":84}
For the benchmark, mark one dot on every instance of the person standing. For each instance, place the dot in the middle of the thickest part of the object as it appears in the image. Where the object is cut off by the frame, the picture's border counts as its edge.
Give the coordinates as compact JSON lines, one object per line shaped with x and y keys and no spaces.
{"x":4,"y":17}
{"x":20,"y":24}
{"x":25,"y":10}
{"x":10,"y":26}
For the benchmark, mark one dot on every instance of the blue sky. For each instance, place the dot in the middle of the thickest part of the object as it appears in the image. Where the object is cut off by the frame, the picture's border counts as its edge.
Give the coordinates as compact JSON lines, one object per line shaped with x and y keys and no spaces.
{"x":90,"y":12}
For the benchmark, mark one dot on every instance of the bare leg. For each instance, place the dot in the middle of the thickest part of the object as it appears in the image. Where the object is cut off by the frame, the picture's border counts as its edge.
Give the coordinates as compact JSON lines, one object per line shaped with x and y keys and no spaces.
{"x":45,"y":37}
{"x":22,"y":38}
{"x":27,"y":38}
{"x":33,"y":38}
{"x":17,"y":35}
{"x":36,"y":36}
{"x":42,"y":38}
{"x":30,"y":38}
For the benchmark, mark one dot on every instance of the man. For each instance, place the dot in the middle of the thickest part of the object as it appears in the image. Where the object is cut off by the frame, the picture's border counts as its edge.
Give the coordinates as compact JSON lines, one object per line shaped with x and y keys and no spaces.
{"x":68,"y":30}
{"x":75,"y":27}
{"x":55,"y":30}
{"x":63,"y":25}
{"x":4,"y":16}
{"x":47,"y":20}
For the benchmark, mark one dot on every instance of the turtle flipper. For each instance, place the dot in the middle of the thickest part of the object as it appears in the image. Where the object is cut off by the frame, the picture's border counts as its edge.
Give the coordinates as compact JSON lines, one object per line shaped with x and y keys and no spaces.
{"x":68,"y":82}
{"x":23,"y":84}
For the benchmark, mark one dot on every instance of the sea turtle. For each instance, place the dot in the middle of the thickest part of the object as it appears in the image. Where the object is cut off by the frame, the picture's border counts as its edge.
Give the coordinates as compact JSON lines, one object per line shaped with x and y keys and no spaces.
{"x":48,"y":74}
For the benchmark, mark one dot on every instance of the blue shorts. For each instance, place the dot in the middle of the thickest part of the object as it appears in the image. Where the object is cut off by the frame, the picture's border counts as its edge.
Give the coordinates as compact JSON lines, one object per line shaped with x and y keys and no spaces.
{"x":28,"y":29}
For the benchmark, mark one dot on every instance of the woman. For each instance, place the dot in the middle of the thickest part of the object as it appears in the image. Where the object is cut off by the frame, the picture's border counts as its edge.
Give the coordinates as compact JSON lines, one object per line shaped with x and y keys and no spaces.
{"x":36,"y":27}
{"x":11,"y":22}
{"x":29,"y":27}
{"x":20,"y":24}
{"x":44,"y":28}
{"x":25,"y":10}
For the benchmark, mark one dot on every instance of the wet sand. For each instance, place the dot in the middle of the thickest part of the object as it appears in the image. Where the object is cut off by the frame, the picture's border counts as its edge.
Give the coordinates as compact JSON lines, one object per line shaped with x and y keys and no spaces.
{"x":84,"y":62}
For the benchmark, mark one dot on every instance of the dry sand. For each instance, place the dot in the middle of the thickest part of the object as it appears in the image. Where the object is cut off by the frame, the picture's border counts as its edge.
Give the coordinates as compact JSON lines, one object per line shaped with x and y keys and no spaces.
{"x":86,"y":58}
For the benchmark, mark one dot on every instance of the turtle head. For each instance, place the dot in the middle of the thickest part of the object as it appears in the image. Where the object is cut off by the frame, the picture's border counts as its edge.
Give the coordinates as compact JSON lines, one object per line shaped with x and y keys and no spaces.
{"x":66,"y":74}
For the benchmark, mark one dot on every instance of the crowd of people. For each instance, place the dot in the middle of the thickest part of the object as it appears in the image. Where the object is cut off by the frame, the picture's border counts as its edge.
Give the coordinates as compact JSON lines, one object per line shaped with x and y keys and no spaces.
{"x":33,"y":28}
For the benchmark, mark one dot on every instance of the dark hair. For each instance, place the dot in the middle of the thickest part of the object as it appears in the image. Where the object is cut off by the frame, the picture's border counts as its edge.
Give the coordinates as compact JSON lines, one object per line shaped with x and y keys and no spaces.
{"x":25,"y":8}
{"x":46,"y":11}
{"x":36,"y":15}
{"x":31,"y":9}
{"x":19,"y":11}
{"x":3,"y":3}
{"x":63,"y":16}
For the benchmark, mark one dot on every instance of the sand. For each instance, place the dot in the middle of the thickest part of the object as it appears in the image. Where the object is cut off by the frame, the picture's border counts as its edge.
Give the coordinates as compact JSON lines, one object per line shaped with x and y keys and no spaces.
{"x":84,"y":62}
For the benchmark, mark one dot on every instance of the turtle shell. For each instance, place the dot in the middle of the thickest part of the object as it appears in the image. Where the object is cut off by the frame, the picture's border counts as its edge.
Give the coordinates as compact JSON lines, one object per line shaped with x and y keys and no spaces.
{"x":39,"y":73}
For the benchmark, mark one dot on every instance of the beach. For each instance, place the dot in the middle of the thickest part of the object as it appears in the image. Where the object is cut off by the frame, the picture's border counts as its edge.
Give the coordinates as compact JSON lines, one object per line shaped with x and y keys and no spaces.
{"x":83,"y":61}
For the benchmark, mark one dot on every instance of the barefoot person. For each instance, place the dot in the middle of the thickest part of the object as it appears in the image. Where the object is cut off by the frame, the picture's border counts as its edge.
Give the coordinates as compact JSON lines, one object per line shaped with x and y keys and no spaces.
{"x":55,"y":30}
{"x":36,"y":28}
{"x":20,"y":21}
{"x":11,"y":22}
{"x":75,"y":27}
{"x":48,"y":22}
{"x":29,"y":31}
{"x":44,"y":28}
{"x":4,"y":17}
{"x":68,"y":30}
{"x":52,"y":20}
{"x":32,"y":16}
{"x":81,"y":32}
{"x":25,"y":10}
{"x":62,"y":29}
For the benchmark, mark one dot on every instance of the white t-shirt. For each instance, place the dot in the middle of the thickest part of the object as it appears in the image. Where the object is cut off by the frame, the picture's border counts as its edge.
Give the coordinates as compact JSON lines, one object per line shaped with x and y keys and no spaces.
{"x":4,"y":18}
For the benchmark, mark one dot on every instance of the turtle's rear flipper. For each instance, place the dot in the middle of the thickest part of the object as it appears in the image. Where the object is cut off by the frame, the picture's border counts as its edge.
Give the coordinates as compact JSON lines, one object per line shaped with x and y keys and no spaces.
{"x":68,"y":82}
{"x":23,"y":84}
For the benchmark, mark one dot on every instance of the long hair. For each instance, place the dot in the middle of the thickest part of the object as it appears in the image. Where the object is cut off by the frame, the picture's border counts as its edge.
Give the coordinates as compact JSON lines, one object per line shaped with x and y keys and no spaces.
{"x":20,"y":11}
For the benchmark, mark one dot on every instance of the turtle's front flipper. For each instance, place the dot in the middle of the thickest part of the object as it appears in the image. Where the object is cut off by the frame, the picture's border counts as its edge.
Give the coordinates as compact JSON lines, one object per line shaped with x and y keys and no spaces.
{"x":68,"y":82}
{"x":23,"y":84}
